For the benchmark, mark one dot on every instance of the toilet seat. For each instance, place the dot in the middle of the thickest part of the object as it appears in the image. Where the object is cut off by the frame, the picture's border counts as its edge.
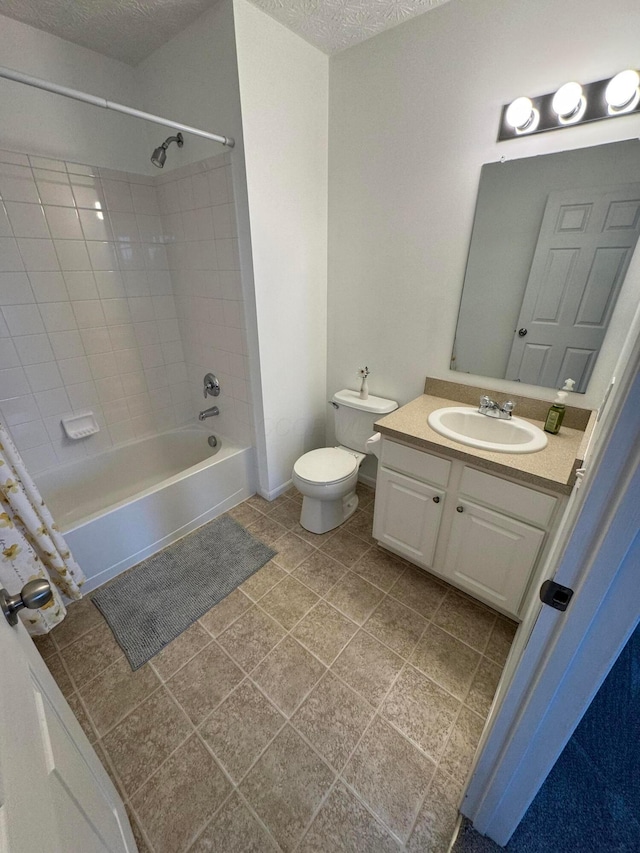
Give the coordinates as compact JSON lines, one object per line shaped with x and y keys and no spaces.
{"x":326,"y":465}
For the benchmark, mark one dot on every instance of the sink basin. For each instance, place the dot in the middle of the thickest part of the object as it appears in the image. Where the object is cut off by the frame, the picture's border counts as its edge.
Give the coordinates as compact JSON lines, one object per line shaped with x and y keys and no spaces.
{"x":468,"y":426}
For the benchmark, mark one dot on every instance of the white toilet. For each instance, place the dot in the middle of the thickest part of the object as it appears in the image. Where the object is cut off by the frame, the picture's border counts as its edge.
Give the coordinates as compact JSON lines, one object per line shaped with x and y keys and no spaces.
{"x":327,"y":477}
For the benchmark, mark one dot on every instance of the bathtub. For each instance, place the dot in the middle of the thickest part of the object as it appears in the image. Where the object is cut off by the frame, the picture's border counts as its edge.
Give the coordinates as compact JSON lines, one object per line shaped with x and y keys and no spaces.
{"x":121,"y":506}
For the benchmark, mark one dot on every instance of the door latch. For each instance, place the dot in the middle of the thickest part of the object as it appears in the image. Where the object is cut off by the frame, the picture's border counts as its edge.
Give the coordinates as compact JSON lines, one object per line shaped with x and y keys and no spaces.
{"x":555,"y":595}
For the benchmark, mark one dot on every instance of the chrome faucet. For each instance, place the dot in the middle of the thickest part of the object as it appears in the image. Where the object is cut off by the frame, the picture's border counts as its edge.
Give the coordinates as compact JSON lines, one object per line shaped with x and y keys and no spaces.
{"x":209,"y":413}
{"x":493,"y":410}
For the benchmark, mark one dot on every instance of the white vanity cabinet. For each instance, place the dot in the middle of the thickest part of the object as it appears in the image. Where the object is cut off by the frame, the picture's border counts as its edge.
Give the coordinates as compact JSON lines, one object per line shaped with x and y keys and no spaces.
{"x":478,"y":531}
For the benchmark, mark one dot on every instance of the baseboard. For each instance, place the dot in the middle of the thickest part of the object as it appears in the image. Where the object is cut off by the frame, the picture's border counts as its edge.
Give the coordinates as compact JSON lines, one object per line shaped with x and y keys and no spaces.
{"x":275,"y":493}
{"x":368,"y":481}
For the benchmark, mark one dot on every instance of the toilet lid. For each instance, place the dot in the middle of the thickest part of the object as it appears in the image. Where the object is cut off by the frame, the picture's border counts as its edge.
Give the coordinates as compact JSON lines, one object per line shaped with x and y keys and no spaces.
{"x":325,"y":465}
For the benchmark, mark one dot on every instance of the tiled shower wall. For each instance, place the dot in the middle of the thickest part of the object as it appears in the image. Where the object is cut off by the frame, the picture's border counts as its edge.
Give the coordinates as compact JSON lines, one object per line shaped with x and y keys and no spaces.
{"x":199,"y":221}
{"x":88,"y":318}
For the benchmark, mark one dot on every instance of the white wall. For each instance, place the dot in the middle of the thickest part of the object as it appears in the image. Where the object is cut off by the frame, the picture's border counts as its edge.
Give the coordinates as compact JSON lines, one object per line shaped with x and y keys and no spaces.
{"x":284,"y":92}
{"x":413,"y":115}
{"x":38,"y":122}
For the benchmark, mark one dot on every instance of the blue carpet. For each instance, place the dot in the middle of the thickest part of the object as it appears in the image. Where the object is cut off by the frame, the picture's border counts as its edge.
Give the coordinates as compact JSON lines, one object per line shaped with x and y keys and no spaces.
{"x":590,"y":802}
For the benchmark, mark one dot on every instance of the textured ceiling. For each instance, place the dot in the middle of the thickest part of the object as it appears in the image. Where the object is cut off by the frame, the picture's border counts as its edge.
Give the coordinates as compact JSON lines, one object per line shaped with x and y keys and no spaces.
{"x":132,"y":29}
{"x":333,"y":25}
{"x":125,"y":29}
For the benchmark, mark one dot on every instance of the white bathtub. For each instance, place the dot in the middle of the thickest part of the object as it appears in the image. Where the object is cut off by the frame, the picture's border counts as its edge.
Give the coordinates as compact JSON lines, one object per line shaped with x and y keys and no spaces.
{"x":121,"y":506}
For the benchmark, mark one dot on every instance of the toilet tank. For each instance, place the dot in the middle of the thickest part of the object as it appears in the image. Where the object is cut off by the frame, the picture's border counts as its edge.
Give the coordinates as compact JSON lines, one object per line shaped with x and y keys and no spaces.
{"x":354,"y":418}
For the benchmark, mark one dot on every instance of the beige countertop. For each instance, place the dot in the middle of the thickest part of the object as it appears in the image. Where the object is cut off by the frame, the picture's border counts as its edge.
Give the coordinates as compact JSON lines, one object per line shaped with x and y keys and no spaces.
{"x":552,"y":468}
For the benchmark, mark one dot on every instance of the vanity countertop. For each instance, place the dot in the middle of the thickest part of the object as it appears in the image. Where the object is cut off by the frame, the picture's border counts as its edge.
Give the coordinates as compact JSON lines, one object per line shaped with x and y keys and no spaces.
{"x":552,"y":468}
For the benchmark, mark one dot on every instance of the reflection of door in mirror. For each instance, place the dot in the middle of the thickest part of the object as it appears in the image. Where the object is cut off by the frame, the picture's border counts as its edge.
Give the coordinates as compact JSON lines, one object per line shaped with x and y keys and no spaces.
{"x":584,"y":247}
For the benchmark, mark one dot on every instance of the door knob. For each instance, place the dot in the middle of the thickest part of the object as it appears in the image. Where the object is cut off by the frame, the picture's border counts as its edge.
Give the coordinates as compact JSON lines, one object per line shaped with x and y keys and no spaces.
{"x":522,"y":332}
{"x":436,"y":500}
{"x":33,"y":595}
{"x":460,"y":508}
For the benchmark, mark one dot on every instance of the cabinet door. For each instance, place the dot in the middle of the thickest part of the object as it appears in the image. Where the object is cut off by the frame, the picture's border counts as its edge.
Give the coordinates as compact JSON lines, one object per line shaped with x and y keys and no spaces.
{"x":490,"y":555}
{"x":407,"y":516}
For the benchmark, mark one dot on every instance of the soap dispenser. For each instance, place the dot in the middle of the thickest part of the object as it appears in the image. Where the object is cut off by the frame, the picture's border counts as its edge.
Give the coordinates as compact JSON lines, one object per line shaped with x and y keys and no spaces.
{"x":555,"y":415}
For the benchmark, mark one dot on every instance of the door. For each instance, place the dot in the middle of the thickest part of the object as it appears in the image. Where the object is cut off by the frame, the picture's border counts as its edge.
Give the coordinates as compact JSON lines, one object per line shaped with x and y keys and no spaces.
{"x":407,"y":516}
{"x":55,"y":796}
{"x":491,"y":555}
{"x":584,"y":247}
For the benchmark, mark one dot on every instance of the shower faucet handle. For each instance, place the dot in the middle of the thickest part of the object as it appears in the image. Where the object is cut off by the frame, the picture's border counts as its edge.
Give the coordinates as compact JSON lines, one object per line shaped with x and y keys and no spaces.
{"x":211,"y":386}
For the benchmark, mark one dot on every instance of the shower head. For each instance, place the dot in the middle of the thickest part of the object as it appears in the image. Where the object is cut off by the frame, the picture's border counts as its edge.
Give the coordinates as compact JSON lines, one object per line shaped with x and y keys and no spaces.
{"x":159,"y":156}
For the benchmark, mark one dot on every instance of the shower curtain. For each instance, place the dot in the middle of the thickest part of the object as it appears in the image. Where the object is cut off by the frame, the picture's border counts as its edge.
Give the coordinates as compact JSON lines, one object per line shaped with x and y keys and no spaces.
{"x":31,"y":546}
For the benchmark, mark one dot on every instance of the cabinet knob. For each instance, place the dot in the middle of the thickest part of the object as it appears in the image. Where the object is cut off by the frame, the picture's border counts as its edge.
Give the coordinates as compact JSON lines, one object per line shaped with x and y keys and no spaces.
{"x":436,"y":500}
{"x":460,"y":508}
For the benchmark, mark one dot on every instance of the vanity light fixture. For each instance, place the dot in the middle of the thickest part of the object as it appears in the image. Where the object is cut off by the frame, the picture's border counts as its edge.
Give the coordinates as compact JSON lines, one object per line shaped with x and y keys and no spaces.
{"x":623,"y":92}
{"x":572,"y":104}
{"x":569,"y":104}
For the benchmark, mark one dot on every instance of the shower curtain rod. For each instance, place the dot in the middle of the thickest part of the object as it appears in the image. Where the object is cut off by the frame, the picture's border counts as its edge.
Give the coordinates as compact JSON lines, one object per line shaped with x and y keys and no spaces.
{"x":57,"y":89}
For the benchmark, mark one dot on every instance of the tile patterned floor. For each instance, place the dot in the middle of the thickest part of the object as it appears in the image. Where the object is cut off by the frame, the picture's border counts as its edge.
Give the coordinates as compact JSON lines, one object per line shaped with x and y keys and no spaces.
{"x":331,"y":703}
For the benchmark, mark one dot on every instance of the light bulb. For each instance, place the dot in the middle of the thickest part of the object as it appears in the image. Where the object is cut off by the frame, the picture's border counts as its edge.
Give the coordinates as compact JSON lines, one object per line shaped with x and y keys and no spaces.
{"x":569,"y":103}
{"x":520,"y":114}
{"x":622,"y":92}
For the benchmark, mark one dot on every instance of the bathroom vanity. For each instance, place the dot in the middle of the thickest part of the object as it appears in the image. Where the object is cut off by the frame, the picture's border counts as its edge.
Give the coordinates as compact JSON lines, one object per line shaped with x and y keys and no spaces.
{"x":482,"y":521}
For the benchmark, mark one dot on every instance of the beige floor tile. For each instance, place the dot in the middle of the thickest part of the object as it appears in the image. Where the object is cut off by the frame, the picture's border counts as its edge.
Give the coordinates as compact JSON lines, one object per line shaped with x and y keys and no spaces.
{"x":45,"y":645}
{"x":93,"y":652}
{"x":361,"y":525}
{"x":448,"y":661}
{"x":287,"y":674}
{"x":145,"y":738}
{"x":180,"y":650}
{"x":251,"y":637}
{"x":233,"y":830}
{"x":355,"y":597}
{"x":117,"y":690}
{"x":245,"y":514}
{"x":467,"y":620}
{"x":288,"y":602}
{"x":240,"y":728}
{"x":104,"y":760}
{"x":368,"y":667}
{"x":437,"y":818}
{"x":390,"y":775}
{"x":345,"y":548}
{"x":319,"y":572}
{"x":380,"y":568}
{"x":501,"y":640}
{"x":292,"y":550}
{"x":315,"y":539}
{"x":267,"y":530}
{"x":458,"y":755}
{"x":397,"y":626}
{"x":286,"y":786}
{"x":286,"y":513}
{"x":484,"y":687}
{"x":343,"y":825}
{"x":141,"y":842}
{"x":178,"y":801}
{"x":259,"y":503}
{"x":225,"y":612}
{"x":366,"y":495}
{"x":333,"y":718}
{"x":60,"y":674}
{"x":325,"y":631}
{"x":204,"y":682}
{"x":81,"y":617}
{"x":421,"y":710}
{"x":81,"y":716}
{"x":262,"y":581}
{"x":419,"y":590}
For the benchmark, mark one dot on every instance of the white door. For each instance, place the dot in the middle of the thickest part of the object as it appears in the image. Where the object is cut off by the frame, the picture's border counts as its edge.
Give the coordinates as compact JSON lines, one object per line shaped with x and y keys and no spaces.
{"x":407,"y":516}
{"x":55,"y":796}
{"x":491,"y":556}
{"x":584,"y":247}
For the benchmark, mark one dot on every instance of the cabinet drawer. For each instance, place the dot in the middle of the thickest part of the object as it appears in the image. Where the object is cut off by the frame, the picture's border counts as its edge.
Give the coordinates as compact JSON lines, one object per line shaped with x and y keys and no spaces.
{"x":415,"y":463}
{"x":516,"y":501}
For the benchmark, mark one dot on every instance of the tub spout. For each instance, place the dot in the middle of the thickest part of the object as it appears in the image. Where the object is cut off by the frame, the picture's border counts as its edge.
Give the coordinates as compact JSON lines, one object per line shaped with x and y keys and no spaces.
{"x":209,"y":413}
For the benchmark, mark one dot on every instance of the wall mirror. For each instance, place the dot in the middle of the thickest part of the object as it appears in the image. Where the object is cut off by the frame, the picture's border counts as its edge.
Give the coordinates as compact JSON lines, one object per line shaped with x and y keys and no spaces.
{"x":551,"y":242}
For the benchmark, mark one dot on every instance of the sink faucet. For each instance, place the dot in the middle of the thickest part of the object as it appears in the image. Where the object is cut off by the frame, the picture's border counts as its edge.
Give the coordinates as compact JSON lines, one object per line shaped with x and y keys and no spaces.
{"x":493,"y":410}
{"x":209,"y":413}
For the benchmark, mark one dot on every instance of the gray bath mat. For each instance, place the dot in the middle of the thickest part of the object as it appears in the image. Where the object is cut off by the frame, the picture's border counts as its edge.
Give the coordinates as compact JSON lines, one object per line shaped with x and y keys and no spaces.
{"x":156,"y":601}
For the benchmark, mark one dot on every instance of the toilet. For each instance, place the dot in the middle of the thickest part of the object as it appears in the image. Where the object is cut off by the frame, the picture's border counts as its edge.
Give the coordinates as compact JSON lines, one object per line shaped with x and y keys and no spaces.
{"x":327,"y":477}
